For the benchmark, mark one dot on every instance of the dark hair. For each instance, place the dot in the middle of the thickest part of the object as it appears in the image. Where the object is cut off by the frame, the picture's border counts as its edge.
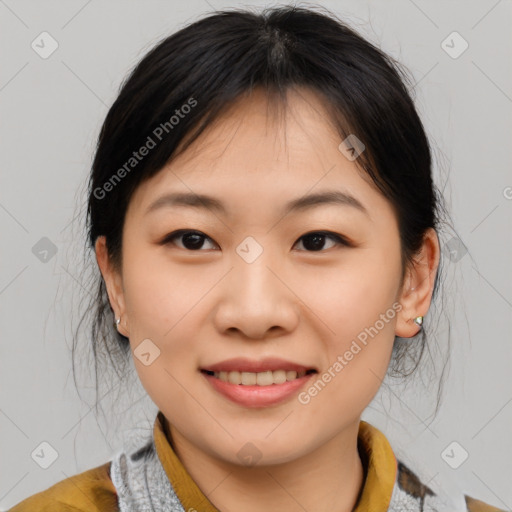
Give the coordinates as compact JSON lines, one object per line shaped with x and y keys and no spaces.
{"x":214,"y":61}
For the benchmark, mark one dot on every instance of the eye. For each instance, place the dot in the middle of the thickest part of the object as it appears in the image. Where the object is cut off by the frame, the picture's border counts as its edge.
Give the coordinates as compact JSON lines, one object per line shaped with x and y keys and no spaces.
{"x":192,"y":240}
{"x":314,"y":241}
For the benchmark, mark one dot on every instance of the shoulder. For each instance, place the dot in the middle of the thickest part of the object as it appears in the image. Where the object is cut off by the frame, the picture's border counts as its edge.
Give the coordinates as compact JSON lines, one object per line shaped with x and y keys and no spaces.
{"x":474,"y":505}
{"x":91,"y":491}
{"x":411,"y":491}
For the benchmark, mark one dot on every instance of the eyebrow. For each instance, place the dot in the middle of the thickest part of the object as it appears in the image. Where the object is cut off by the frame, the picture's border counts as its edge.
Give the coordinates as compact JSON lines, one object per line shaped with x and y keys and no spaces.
{"x":205,"y":202}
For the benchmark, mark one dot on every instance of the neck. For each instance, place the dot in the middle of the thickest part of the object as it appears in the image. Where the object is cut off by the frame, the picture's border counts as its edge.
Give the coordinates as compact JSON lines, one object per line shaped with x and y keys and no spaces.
{"x":329,"y":479}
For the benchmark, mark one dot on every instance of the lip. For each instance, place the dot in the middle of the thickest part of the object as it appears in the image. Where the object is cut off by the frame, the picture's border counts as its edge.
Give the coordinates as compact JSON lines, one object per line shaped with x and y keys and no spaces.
{"x":241,"y":364}
{"x":257,"y":396}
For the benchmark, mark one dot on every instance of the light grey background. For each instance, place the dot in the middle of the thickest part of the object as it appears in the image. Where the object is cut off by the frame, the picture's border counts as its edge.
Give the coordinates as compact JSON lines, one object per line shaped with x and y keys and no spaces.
{"x":51,"y":112}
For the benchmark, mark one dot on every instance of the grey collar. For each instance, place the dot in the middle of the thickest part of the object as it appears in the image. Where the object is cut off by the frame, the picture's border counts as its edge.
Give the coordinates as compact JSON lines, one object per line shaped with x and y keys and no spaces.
{"x":142,"y":486}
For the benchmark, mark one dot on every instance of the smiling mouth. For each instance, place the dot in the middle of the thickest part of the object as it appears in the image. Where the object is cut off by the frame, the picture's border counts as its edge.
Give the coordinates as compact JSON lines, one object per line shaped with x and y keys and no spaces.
{"x":267,"y":378}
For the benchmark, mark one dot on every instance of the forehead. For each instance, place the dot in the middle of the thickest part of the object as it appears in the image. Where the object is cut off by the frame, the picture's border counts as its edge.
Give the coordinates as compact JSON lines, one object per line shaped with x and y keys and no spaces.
{"x":254,"y":155}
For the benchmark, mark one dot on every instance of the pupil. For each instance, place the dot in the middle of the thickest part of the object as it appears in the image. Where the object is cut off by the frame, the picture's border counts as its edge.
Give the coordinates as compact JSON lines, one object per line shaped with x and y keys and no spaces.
{"x":313,"y":242}
{"x":197,"y":242}
{"x":317,"y":240}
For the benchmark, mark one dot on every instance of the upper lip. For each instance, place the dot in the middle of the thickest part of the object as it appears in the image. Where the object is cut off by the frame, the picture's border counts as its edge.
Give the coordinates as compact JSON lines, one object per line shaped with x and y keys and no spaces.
{"x":241,"y":364}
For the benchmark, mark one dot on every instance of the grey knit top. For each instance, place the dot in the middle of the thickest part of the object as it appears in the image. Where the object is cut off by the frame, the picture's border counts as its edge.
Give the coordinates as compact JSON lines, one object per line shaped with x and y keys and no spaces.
{"x":143,"y":486}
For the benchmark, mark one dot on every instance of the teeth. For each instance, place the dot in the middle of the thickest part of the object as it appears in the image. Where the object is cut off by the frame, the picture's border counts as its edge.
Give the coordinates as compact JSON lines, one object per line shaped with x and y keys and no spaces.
{"x":261,"y":379}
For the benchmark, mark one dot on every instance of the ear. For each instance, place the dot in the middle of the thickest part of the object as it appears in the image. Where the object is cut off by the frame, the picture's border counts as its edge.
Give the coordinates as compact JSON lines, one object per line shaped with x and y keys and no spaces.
{"x":114,"y":284}
{"x":418,"y":286}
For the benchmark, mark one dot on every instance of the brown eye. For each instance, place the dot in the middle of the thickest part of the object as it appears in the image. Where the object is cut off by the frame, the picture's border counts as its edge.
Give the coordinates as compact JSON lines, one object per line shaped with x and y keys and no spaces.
{"x":315,"y":241}
{"x":191,"y":240}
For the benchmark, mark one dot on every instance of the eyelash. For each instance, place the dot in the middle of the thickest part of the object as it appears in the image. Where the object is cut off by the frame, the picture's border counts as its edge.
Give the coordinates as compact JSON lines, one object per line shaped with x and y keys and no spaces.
{"x":328,"y":234}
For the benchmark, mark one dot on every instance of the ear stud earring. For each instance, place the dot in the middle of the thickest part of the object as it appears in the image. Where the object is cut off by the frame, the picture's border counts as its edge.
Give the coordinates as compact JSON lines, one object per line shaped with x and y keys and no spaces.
{"x":418,"y":321}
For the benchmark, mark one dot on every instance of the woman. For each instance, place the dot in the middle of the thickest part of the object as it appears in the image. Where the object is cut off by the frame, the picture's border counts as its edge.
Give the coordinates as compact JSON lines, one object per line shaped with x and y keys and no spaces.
{"x":265,"y":221}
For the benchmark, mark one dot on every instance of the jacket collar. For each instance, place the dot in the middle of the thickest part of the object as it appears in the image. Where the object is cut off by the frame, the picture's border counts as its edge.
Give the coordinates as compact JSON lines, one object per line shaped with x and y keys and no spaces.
{"x":379,"y":462}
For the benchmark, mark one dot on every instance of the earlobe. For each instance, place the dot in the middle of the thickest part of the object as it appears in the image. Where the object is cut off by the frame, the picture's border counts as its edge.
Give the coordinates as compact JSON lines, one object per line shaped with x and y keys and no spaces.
{"x":418,"y":287}
{"x":113,"y":283}
{"x":405,"y":326}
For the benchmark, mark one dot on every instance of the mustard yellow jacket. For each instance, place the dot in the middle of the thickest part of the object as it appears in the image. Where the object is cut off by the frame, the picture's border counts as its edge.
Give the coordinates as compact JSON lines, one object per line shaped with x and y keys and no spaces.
{"x":388,"y":484}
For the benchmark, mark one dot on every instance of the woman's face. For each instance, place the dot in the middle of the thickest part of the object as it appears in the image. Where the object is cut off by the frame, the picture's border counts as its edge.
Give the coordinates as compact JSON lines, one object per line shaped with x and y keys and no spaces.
{"x":253,"y":281}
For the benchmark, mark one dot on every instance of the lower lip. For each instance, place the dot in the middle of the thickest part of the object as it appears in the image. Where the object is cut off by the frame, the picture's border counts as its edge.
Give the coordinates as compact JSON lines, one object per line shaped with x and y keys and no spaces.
{"x":257,"y":396}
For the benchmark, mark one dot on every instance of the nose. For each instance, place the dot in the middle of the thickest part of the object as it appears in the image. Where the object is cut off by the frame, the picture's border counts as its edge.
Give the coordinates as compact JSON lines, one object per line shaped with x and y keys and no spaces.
{"x":256,"y":301}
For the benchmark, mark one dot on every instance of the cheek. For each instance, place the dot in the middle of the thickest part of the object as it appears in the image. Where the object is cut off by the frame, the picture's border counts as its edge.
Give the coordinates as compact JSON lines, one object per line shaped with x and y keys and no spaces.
{"x":159,"y":294}
{"x":160,"y":304}
{"x":351,"y":298}
{"x":356,"y":310}
{"x":160,"y":307}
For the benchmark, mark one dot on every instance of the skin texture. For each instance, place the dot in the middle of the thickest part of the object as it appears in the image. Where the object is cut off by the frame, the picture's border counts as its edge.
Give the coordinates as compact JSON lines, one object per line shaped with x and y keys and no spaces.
{"x":304,"y":305}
